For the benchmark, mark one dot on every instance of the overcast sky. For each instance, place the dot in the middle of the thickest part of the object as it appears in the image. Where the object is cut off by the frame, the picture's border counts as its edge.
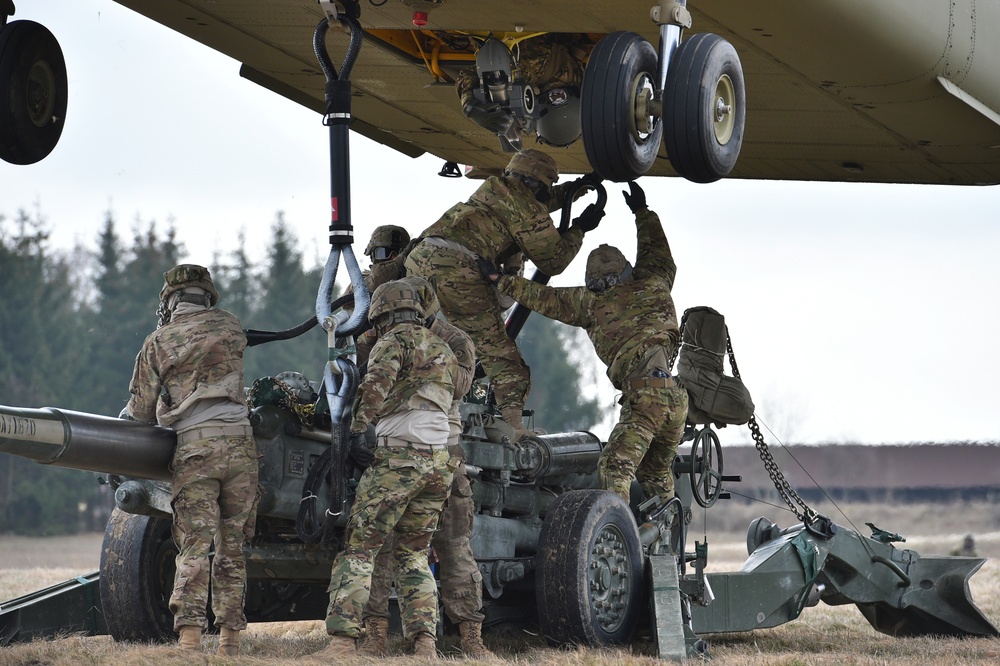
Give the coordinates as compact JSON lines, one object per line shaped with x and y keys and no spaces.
{"x":858,"y":313}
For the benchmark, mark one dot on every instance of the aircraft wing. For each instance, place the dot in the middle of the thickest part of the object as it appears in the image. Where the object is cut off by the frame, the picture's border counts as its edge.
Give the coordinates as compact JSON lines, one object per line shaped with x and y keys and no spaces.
{"x":901,"y":91}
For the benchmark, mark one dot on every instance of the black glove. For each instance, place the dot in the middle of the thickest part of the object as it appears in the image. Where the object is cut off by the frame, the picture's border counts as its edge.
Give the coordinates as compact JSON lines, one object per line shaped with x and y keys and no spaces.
{"x":488,"y":270}
{"x":591,"y":179}
{"x":636,"y":198}
{"x":588,"y":219}
{"x":488,"y":115}
{"x":359,"y":451}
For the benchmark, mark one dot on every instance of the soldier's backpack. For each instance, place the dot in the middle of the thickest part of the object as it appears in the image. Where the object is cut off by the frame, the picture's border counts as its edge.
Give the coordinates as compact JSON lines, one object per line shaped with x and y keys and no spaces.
{"x":713,"y":396}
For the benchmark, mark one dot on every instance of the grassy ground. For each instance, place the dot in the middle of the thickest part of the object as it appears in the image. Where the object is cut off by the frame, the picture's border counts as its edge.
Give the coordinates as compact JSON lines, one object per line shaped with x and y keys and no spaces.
{"x":822,"y":635}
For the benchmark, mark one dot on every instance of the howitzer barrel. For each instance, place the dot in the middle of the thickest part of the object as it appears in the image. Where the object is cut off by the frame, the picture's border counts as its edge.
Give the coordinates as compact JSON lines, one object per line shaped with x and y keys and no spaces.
{"x":87,"y":441}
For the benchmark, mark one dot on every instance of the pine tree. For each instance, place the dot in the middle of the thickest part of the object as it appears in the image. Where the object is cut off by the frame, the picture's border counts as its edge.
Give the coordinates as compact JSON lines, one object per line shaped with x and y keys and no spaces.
{"x":556,"y":379}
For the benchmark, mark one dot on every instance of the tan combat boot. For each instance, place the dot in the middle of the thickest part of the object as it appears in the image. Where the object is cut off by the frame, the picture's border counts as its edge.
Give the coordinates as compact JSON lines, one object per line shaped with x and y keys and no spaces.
{"x":190,"y":637}
{"x":472,"y":640}
{"x":340,"y":646}
{"x":512,"y":417}
{"x":375,"y":641}
{"x":229,"y":643}
{"x":424,"y":646}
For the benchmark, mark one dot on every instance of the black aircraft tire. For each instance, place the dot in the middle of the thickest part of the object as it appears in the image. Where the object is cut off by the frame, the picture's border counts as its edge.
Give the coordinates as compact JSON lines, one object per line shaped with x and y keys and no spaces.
{"x":137,"y":576}
{"x":702,"y":146}
{"x":589,"y":576}
{"x":33,"y":92}
{"x":622,"y":64}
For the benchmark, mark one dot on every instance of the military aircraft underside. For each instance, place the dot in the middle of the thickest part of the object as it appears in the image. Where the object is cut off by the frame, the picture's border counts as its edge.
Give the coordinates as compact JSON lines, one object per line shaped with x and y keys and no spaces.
{"x":840,"y":90}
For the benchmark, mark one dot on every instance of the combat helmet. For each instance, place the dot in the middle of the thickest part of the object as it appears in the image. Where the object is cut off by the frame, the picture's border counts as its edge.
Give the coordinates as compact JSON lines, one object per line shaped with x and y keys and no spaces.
{"x":389,"y":237}
{"x":425,"y":294}
{"x":394,"y":302}
{"x":183,"y":276}
{"x":534,"y":164}
{"x":607,"y":267}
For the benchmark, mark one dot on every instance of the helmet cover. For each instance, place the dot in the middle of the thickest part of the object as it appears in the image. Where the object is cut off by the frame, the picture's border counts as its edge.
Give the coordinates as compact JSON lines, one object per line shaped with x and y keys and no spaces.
{"x":188,"y":275}
{"x":535,"y":164}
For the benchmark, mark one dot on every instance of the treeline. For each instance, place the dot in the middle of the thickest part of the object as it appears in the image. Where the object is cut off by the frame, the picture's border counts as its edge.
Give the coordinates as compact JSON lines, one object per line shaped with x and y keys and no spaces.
{"x":72,"y":322}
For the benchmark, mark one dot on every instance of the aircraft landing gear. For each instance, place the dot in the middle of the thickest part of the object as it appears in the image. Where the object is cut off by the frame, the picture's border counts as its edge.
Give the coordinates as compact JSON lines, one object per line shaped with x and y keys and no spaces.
{"x":33,"y":90}
{"x":692,"y":95}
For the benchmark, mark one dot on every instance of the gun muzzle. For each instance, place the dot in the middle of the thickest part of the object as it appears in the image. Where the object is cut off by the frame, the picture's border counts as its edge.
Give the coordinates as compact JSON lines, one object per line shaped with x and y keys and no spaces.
{"x":87,"y":441}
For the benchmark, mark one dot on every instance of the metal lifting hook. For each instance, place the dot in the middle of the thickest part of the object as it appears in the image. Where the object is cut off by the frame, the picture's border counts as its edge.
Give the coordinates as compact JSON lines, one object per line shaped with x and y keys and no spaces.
{"x":340,"y":375}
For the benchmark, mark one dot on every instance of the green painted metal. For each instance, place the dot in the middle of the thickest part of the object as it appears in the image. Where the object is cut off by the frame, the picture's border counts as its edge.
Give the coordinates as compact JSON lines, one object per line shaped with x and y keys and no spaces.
{"x":71,"y":607}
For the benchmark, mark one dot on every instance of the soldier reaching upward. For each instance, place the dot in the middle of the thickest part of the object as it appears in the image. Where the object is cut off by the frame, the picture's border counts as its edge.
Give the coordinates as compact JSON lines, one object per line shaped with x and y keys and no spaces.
{"x":506,"y":215}
{"x":189,"y":376}
{"x":409,"y":388}
{"x":630,"y":317}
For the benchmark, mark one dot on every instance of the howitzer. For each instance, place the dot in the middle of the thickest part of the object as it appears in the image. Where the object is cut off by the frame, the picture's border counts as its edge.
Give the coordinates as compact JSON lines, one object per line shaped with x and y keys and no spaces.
{"x":554,"y":551}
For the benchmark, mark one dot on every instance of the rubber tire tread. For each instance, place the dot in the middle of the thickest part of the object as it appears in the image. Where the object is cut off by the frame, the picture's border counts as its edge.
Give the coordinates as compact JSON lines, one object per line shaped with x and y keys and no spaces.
{"x":134,"y":603}
{"x":562,"y":593}
{"x":688,"y":132}
{"x":21,"y":44}
{"x":605,"y":107}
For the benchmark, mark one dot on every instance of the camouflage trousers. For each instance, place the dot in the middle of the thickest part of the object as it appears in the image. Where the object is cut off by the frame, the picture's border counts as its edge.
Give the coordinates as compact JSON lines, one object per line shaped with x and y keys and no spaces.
{"x":471,"y":304}
{"x":644,"y":442}
{"x":214,"y":500}
{"x":460,"y":579}
{"x":404,"y":491}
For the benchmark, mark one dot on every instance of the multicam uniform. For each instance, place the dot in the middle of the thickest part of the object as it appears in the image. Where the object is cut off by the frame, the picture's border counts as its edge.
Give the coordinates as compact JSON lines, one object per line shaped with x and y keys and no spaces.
{"x":502,"y":218}
{"x":189,"y":375}
{"x":408,"y":387}
{"x":634,"y":330}
{"x":461,"y":581}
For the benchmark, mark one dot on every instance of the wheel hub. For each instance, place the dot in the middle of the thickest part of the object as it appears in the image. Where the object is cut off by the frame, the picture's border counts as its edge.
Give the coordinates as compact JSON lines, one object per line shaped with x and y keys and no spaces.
{"x":609,"y":578}
{"x":725,"y":100}
{"x":644,"y":118}
{"x":40,"y":93}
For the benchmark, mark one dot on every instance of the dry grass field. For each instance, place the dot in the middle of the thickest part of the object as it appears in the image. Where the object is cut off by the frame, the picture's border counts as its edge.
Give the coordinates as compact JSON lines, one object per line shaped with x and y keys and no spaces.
{"x":823,"y":635}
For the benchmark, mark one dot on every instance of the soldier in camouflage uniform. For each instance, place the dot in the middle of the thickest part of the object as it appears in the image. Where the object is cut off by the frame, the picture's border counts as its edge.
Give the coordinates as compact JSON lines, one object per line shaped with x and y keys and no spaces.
{"x":508,"y":214}
{"x":630,"y":317}
{"x":189,"y":377}
{"x":541,"y":62}
{"x":385,"y":249}
{"x":409,"y":388}
{"x":460,"y":580}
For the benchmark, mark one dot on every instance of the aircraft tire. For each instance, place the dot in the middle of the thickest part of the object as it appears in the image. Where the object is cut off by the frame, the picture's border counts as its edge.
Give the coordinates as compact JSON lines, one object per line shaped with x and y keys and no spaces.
{"x":621,"y":67}
{"x":33,"y":92}
{"x":589,"y":579}
{"x":137,"y":577}
{"x":702,"y":145}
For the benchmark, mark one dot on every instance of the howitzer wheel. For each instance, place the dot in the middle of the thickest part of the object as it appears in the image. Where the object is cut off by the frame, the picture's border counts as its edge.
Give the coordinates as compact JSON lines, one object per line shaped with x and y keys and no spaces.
{"x":137,"y":576}
{"x":589,"y":581}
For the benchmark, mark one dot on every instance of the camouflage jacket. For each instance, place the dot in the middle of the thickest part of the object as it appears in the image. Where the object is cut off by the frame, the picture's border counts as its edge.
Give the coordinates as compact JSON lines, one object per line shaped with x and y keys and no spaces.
{"x":502,"y":218}
{"x":465,"y":353}
{"x":410,"y":368}
{"x":625,"y":321}
{"x":192,"y":357}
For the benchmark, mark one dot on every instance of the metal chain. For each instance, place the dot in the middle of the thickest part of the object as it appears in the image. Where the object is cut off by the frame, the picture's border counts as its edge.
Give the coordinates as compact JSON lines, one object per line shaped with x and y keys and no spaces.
{"x":788,"y":494}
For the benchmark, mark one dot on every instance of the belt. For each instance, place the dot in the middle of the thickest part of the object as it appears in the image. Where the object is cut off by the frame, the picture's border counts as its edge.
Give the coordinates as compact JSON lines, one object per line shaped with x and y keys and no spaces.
{"x":207,"y":432}
{"x":396,"y":443}
{"x":652,"y":382}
